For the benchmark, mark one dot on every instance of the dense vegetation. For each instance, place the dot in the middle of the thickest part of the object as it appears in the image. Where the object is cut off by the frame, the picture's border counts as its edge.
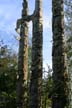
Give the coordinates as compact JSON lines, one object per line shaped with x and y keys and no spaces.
{"x":8,"y":73}
{"x":8,"y":78}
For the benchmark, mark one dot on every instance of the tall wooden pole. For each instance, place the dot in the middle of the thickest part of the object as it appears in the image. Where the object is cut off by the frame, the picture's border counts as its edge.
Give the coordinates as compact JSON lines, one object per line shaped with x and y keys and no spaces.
{"x":22,"y":58}
{"x":37,"y":41}
{"x":60,"y":91}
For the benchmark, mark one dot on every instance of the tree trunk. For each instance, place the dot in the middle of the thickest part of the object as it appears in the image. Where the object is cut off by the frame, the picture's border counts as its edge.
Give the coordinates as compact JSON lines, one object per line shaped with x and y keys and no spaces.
{"x":37,"y":40}
{"x":23,"y":60}
{"x":59,"y":97}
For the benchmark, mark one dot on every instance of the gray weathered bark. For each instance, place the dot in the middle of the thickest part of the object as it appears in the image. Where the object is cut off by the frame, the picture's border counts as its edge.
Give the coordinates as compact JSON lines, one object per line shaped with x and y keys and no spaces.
{"x":22,"y":59}
{"x":37,"y":40}
{"x":59,"y":98}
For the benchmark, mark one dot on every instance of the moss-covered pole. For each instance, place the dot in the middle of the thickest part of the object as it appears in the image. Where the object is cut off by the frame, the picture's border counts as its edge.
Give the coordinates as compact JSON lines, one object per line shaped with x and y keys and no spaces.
{"x":37,"y":41}
{"x":60,"y":91}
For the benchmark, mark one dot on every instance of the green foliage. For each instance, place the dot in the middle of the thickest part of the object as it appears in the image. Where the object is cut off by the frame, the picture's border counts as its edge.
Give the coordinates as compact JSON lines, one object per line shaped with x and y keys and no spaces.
{"x":47,"y":88}
{"x":8,"y":69}
{"x":68,"y":29}
{"x":8,"y":74}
